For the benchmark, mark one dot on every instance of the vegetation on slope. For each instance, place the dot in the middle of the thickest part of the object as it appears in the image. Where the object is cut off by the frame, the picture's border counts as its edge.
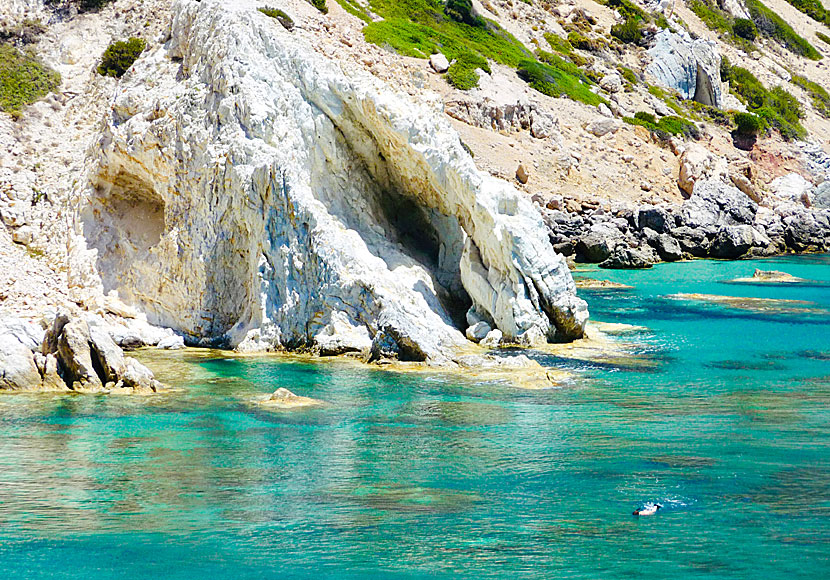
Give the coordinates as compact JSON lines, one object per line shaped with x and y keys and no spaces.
{"x":120,"y":56}
{"x":818,"y":94}
{"x":771,"y":25}
{"x":737,"y":31}
{"x":419,"y":28}
{"x":777,"y":108}
{"x":23,"y":79}
{"x":666,"y":126}
{"x":559,"y":79}
{"x":813,"y":9}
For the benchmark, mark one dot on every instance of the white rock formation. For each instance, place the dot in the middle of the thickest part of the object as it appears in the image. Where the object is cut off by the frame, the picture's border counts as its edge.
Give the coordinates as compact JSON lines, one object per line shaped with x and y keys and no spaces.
{"x":251,"y":191}
{"x":691,"y":67}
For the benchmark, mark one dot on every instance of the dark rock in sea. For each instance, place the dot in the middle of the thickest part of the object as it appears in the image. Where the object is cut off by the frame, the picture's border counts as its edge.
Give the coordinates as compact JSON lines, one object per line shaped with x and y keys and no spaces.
{"x":732,"y":242}
{"x":629,"y":259}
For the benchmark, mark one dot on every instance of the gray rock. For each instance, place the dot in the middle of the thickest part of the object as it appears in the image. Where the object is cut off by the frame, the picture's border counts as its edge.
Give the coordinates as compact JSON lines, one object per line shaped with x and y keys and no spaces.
{"x":732,"y":241}
{"x":611,"y":83}
{"x":624,"y":258}
{"x":655,"y":218}
{"x":602,"y":126}
{"x":439,"y":63}
{"x":668,"y":248}
{"x":75,"y":355}
{"x":138,"y":377}
{"x":174,"y":342}
{"x":595,"y":247}
{"x":17,"y":366}
{"x":493,"y":339}
{"x":109,"y":358}
{"x":694,"y":241}
{"x":821,"y":198}
{"x":478,"y":331}
{"x":691,"y":67}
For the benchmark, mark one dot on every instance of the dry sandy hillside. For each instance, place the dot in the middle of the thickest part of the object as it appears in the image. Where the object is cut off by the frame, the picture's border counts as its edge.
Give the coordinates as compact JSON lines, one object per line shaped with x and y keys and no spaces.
{"x":570,"y":152}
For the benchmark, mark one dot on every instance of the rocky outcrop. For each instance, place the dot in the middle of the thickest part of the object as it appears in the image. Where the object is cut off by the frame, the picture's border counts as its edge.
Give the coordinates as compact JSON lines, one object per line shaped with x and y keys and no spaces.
{"x":691,"y":67}
{"x":251,"y":193}
{"x":718,"y":221}
{"x":488,"y":114}
{"x":69,"y":356}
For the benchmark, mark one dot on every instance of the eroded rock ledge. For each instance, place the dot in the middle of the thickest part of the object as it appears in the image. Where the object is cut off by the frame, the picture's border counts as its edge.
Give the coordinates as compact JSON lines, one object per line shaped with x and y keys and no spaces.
{"x":253,"y":193}
{"x":69,"y":356}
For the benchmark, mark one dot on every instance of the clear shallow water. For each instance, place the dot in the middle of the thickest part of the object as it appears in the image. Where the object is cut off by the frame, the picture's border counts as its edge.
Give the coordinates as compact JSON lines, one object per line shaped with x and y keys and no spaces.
{"x":418,"y":476}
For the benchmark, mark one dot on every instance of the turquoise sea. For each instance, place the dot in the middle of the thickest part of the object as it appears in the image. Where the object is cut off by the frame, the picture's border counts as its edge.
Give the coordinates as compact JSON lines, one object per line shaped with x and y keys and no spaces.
{"x":724,"y":419}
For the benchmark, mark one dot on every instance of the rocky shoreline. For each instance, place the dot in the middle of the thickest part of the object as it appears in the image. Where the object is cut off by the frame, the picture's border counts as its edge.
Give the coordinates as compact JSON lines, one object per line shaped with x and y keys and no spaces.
{"x":718,"y":220}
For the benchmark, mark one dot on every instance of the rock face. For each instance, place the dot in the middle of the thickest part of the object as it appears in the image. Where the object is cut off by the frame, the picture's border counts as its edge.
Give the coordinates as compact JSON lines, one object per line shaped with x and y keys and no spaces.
{"x":71,"y":355}
{"x":692,"y":67}
{"x":251,"y":192}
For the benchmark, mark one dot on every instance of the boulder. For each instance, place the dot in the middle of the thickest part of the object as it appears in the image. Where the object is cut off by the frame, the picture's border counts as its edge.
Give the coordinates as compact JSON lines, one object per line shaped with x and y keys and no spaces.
{"x":695,"y":241}
{"x":595,"y":247}
{"x":72,"y":347}
{"x":611,"y":83}
{"x":696,"y":164}
{"x":602,"y":126}
{"x":439,"y":63}
{"x":668,"y":248}
{"x":17,"y":366}
{"x":493,"y":339}
{"x":521,"y":174}
{"x":624,"y":258}
{"x":733,"y":241}
{"x":174,"y":342}
{"x":655,"y":218}
{"x":821,"y":198}
{"x":138,"y":378}
{"x":691,"y":67}
{"x":792,"y":187}
{"x":478,"y":331}
{"x":107,"y":357}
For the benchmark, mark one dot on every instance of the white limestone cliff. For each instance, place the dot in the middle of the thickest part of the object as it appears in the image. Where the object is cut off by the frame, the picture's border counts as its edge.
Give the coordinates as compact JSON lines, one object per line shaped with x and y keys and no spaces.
{"x":251,"y":192}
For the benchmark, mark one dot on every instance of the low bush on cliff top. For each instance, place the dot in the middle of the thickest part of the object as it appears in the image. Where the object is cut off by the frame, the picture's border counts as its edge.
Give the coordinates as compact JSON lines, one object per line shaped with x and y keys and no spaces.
{"x":731,"y":29}
{"x":120,"y":56}
{"x":23,"y":79}
{"x":748,"y":124}
{"x":628,"y":32}
{"x":320,"y":5}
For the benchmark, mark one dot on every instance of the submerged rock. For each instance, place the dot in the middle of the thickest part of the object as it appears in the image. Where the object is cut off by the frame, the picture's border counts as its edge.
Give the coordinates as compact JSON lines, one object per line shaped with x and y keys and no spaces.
{"x":282,"y":398}
{"x":770,"y":277}
{"x":295,"y":202}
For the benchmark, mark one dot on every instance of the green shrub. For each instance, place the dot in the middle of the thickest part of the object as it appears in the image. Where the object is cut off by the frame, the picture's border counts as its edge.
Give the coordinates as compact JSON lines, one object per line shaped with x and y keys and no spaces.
{"x":23,"y":79}
{"x":25,"y":32}
{"x":823,"y":37}
{"x":628,"y":32}
{"x":666,"y":126}
{"x":559,"y":44}
{"x":628,"y":74}
{"x":647,"y":117}
{"x":462,"y":11}
{"x":462,"y":73}
{"x":558,"y":81}
{"x":777,"y":108}
{"x":320,"y":5}
{"x":278,"y":15}
{"x":813,"y":9}
{"x":120,"y":56}
{"x":582,"y":42}
{"x":772,"y":25}
{"x":818,"y":94}
{"x":747,"y":123}
{"x":628,"y":10}
{"x":745,"y":29}
{"x":711,"y":15}
{"x":420,"y":27}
